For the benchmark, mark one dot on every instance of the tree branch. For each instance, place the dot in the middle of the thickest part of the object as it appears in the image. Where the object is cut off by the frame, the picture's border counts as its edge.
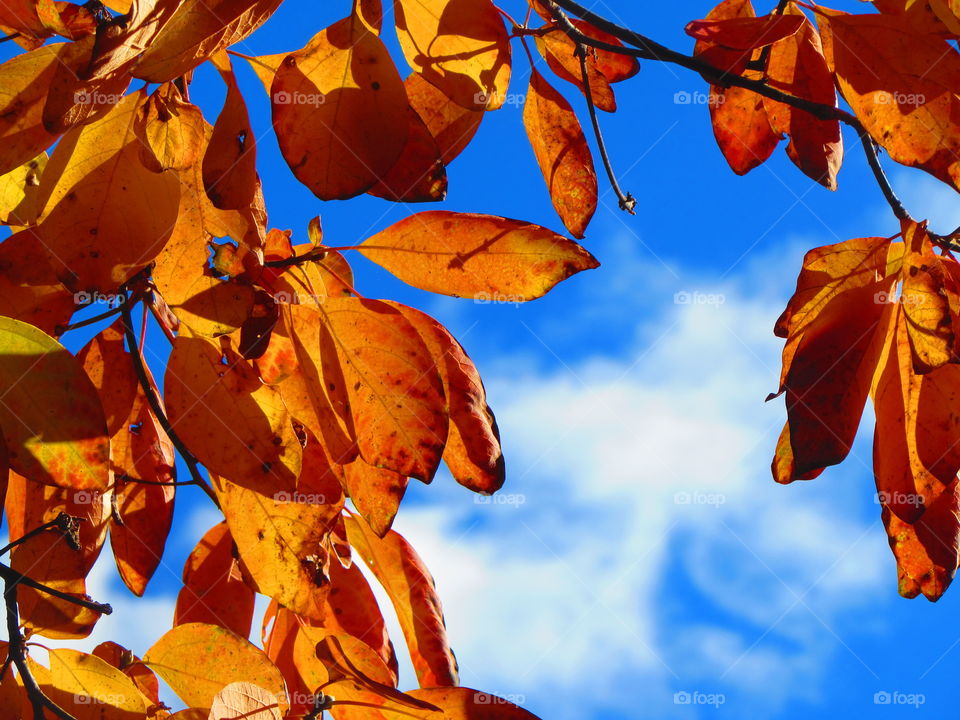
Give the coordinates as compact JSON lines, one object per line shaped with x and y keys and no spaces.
{"x":151,"y":392}
{"x":16,"y":653}
{"x":644,"y":47}
{"x":10,"y":575}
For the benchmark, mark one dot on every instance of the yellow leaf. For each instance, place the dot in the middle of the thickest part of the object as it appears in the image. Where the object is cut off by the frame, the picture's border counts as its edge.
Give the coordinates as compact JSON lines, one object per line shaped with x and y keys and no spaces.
{"x":51,"y":414}
{"x":91,"y":689}
{"x":461,"y":47}
{"x":197,"y":661}
{"x":244,"y":700}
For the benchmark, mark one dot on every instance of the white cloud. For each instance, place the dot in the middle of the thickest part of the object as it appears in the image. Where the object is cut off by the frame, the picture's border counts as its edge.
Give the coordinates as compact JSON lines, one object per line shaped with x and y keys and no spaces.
{"x":653,"y":552}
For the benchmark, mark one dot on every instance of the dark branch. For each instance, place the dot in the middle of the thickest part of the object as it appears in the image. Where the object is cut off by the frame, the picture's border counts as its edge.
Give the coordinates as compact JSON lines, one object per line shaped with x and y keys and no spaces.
{"x":10,"y":575}
{"x":644,"y":47}
{"x":16,"y":653}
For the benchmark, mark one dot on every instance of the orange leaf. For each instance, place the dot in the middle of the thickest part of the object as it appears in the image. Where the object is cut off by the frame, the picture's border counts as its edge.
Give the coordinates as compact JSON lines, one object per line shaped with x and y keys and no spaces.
{"x":51,"y":414}
{"x":230,"y":159}
{"x":926,"y":551}
{"x":451,"y":125}
{"x":49,"y":559}
{"x":740,"y":122}
{"x":411,"y":589}
{"x":340,"y":111}
{"x":234,"y":424}
{"x":376,"y":493}
{"x":172,"y":131}
{"x":106,"y":216}
{"x":29,"y":288}
{"x":196,"y":30}
{"x":901,"y":83}
{"x":213,"y":590}
{"x":281,"y":537}
{"x":796,"y":65}
{"x":562,"y":153}
{"x":472,"y":451}
{"x":478,"y":256}
{"x":394,"y":389}
{"x":419,"y":174}
{"x":745,"y":33}
{"x":197,"y":661}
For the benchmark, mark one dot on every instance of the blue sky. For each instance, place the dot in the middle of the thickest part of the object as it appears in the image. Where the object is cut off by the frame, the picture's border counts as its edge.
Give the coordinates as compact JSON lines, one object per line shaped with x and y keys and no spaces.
{"x":642,"y":556}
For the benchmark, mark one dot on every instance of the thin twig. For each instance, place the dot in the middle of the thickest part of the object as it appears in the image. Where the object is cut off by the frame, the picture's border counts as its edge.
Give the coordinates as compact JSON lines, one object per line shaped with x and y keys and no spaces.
{"x":644,"y":47}
{"x":59,"y":522}
{"x":60,"y":330}
{"x":151,"y":392}
{"x":9,"y":574}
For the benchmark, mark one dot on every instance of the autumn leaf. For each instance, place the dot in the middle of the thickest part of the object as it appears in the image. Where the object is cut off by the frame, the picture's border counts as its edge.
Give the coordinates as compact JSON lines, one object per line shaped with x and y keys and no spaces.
{"x":834,"y":328}
{"x":745,"y":32}
{"x":411,"y":589}
{"x":419,"y":174}
{"x":926,"y":551}
{"x":340,"y":111}
{"x":197,"y":661}
{"x":105,"y":216}
{"x":472,"y":451}
{"x":23,"y":91}
{"x":29,"y":288}
{"x":229,"y":167}
{"x":51,"y":416}
{"x":244,"y":700}
{"x":477,"y":256}
{"x":213,"y":589}
{"x":796,"y":65}
{"x":562,"y":153}
{"x":740,"y":121}
{"x":90,"y":688}
{"x":50,"y":558}
{"x":170,"y":129}
{"x":461,"y":48}
{"x":393,"y":388}
{"x":376,"y":493}
{"x":452,"y":126}
{"x":18,"y":192}
{"x":234,"y":424}
{"x":196,"y":31}
{"x":901,"y":83}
